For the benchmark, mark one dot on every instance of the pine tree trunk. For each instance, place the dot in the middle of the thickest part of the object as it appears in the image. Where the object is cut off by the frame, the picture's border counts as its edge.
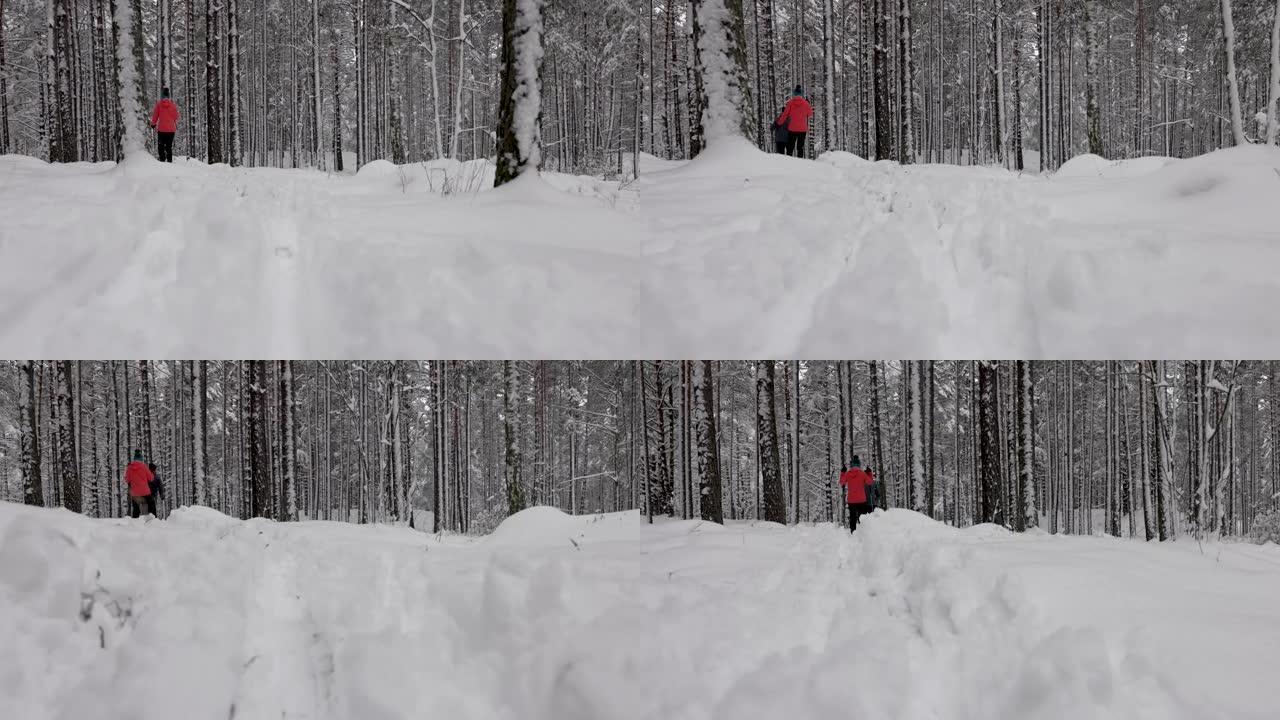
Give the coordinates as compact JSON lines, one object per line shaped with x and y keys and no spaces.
{"x":881,"y":70}
{"x":775,"y":504}
{"x":29,"y":452}
{"x":878,"y":459}
{"x":212,"y":76}
{"x":200,"y":432}
{"x":1273,"y":91}
{"x":260,"y":480}
{"x":1029,"y":514}
{"x":69,"y":475}
{"x":989,"y":445}
{"x":709,"y":487}
{"x":906,"y":87}
{"x":1233,"y":84}
{"x":514,"y":488}
{"x":520,"y":102}
{"x":235,"y":150}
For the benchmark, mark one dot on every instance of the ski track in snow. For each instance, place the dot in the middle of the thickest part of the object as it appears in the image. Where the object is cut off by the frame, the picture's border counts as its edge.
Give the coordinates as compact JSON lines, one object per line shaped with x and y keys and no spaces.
{"x":680,"y":620}
{"x":736,"y":254}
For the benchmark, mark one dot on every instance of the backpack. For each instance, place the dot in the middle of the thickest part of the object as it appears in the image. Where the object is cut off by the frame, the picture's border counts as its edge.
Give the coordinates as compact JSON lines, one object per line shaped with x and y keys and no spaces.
{"x":157,"y":487}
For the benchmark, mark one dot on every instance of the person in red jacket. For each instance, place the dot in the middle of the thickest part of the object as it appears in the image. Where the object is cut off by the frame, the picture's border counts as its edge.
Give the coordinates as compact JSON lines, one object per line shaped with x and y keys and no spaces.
{"x":795,"y":119}
{"x":857,"y":484}
{"x":165,"y":120}
{"x":138,"y":477}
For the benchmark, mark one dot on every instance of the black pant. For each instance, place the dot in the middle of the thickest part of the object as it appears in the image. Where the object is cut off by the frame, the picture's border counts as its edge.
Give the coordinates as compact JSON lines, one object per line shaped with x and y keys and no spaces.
{"x":782,"y":147}
{"x":165,"y":142}
{"x":857,"y":510}
{"x":795,"y":145}
{"x":148,"y":505}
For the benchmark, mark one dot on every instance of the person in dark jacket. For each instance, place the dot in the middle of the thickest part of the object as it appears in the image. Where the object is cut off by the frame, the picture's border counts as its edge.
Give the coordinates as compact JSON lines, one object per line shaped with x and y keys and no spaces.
{"x":781,"y":135}
{"x":857,"y":484}
{"x":157,"y":489}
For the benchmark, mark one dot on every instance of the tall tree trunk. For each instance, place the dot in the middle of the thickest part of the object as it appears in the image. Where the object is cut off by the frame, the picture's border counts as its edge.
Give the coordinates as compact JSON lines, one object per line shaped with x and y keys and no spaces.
{"x":720,"y":42}
{"x":510,"y":406}
{"x":235,"y":150}
{"x":520,"y":102}
{"x":775,"y":503}
{"x":259,"y":448}
{"x":289,"y":441}
{"x":200,"y":432}
{"x":989,"y":444}
{"x":213,"y":77}
{"x":881,"y":71}
{"x":29,"y":452}
{"x":69,"y":470}
{"x":1273,"y":91}
{"x":1233,"y":84}
{"x":709,"y":487}
{"x":1029,"y":514}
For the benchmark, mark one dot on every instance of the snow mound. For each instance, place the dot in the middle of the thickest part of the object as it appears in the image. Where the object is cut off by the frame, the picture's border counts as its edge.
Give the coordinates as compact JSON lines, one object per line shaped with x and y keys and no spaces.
{"x":536,"y":526}
{"x":1094,"y":166}
{"x":378,"y":169}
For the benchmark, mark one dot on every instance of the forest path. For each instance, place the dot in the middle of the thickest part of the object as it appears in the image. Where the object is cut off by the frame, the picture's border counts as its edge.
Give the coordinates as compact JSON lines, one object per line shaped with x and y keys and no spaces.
{"x":591,"y":617}
{"x":736,"y":254}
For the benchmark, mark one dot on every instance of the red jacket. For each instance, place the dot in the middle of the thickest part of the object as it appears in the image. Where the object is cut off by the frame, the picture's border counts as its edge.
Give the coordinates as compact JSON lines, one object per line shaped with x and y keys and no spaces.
{"x":139,"y":478}
{"x":165,"y":117}
{"x":855,"y":482}
{"x":796,"y":115}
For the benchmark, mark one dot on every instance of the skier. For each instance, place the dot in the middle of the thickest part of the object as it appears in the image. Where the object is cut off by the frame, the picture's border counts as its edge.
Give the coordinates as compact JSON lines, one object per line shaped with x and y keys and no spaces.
{"x":138,"y":477}
{"x":795,"y":118}
{"x":165,"y":121}
{"x":157,"y":488}
{"x":857,"y":483}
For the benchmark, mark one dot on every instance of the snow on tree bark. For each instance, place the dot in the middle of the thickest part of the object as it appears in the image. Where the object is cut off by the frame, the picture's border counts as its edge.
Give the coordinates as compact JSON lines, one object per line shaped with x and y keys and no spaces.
{"x":259,"y":448}
{"x":720,"y":38}
{"x":1233,"y":84}
{"x":775,"y":503}
{"x":989,"y":445}
{"x":129,"y":84}
{"x":1029,"y":512}
{"x":69,"y":478}
{"x":709,"y":482}
{"x":29,"y":449}
{"x":1273,"y":92}
{"x":514,"y":486}
{"x":520,"y":104}
{"x":916,"y":436}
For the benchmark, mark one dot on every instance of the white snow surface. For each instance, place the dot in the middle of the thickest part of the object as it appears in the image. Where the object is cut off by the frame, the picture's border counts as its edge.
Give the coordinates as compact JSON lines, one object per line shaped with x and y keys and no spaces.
{"x":736,"y":254}
{"x":604,"y":617}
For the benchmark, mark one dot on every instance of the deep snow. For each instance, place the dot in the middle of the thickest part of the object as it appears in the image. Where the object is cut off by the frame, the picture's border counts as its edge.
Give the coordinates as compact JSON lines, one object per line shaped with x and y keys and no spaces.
{"x":737,"y":254}
{"x":603,"y":617}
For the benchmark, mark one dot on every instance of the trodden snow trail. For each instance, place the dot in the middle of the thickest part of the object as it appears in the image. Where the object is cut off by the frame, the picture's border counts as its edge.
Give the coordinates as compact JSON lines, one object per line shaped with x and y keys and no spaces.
{"x":733,"y":254}
{"x":601,"y":617}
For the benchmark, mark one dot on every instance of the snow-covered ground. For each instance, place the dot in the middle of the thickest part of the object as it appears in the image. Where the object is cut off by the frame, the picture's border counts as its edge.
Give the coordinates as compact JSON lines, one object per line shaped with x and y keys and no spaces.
{"x":601,"y":618}
{"x":737,"y":254}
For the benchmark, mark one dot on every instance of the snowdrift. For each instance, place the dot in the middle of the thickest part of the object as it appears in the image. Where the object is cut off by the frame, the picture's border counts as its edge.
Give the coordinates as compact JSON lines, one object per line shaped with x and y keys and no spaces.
{"x":835,"y":258}
{"x":207,"y":617}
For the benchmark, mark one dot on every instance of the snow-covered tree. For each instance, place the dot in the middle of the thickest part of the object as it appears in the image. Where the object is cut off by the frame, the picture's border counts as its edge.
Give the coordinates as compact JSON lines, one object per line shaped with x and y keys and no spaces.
{"x":719,"y":37}
{"x":520,"y":101}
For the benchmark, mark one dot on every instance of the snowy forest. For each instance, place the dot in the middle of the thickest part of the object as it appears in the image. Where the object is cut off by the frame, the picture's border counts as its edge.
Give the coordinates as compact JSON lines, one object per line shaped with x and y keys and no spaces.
{"x":1146,"y":449}
{"x":334,"y":84}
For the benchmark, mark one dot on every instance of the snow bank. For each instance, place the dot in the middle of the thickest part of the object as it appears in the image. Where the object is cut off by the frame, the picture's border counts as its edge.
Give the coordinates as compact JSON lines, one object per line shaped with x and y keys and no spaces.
{"x":1093,"y":166}
{"x":835,"y":258}
{"x":207,"y":617}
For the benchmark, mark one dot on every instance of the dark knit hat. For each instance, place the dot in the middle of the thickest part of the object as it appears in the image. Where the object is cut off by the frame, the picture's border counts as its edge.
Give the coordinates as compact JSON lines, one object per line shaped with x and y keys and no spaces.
{"x":137,"y":456}
{"x":799,"y":91}
{"x":164,"y":92}
{"x":857,"y":462}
